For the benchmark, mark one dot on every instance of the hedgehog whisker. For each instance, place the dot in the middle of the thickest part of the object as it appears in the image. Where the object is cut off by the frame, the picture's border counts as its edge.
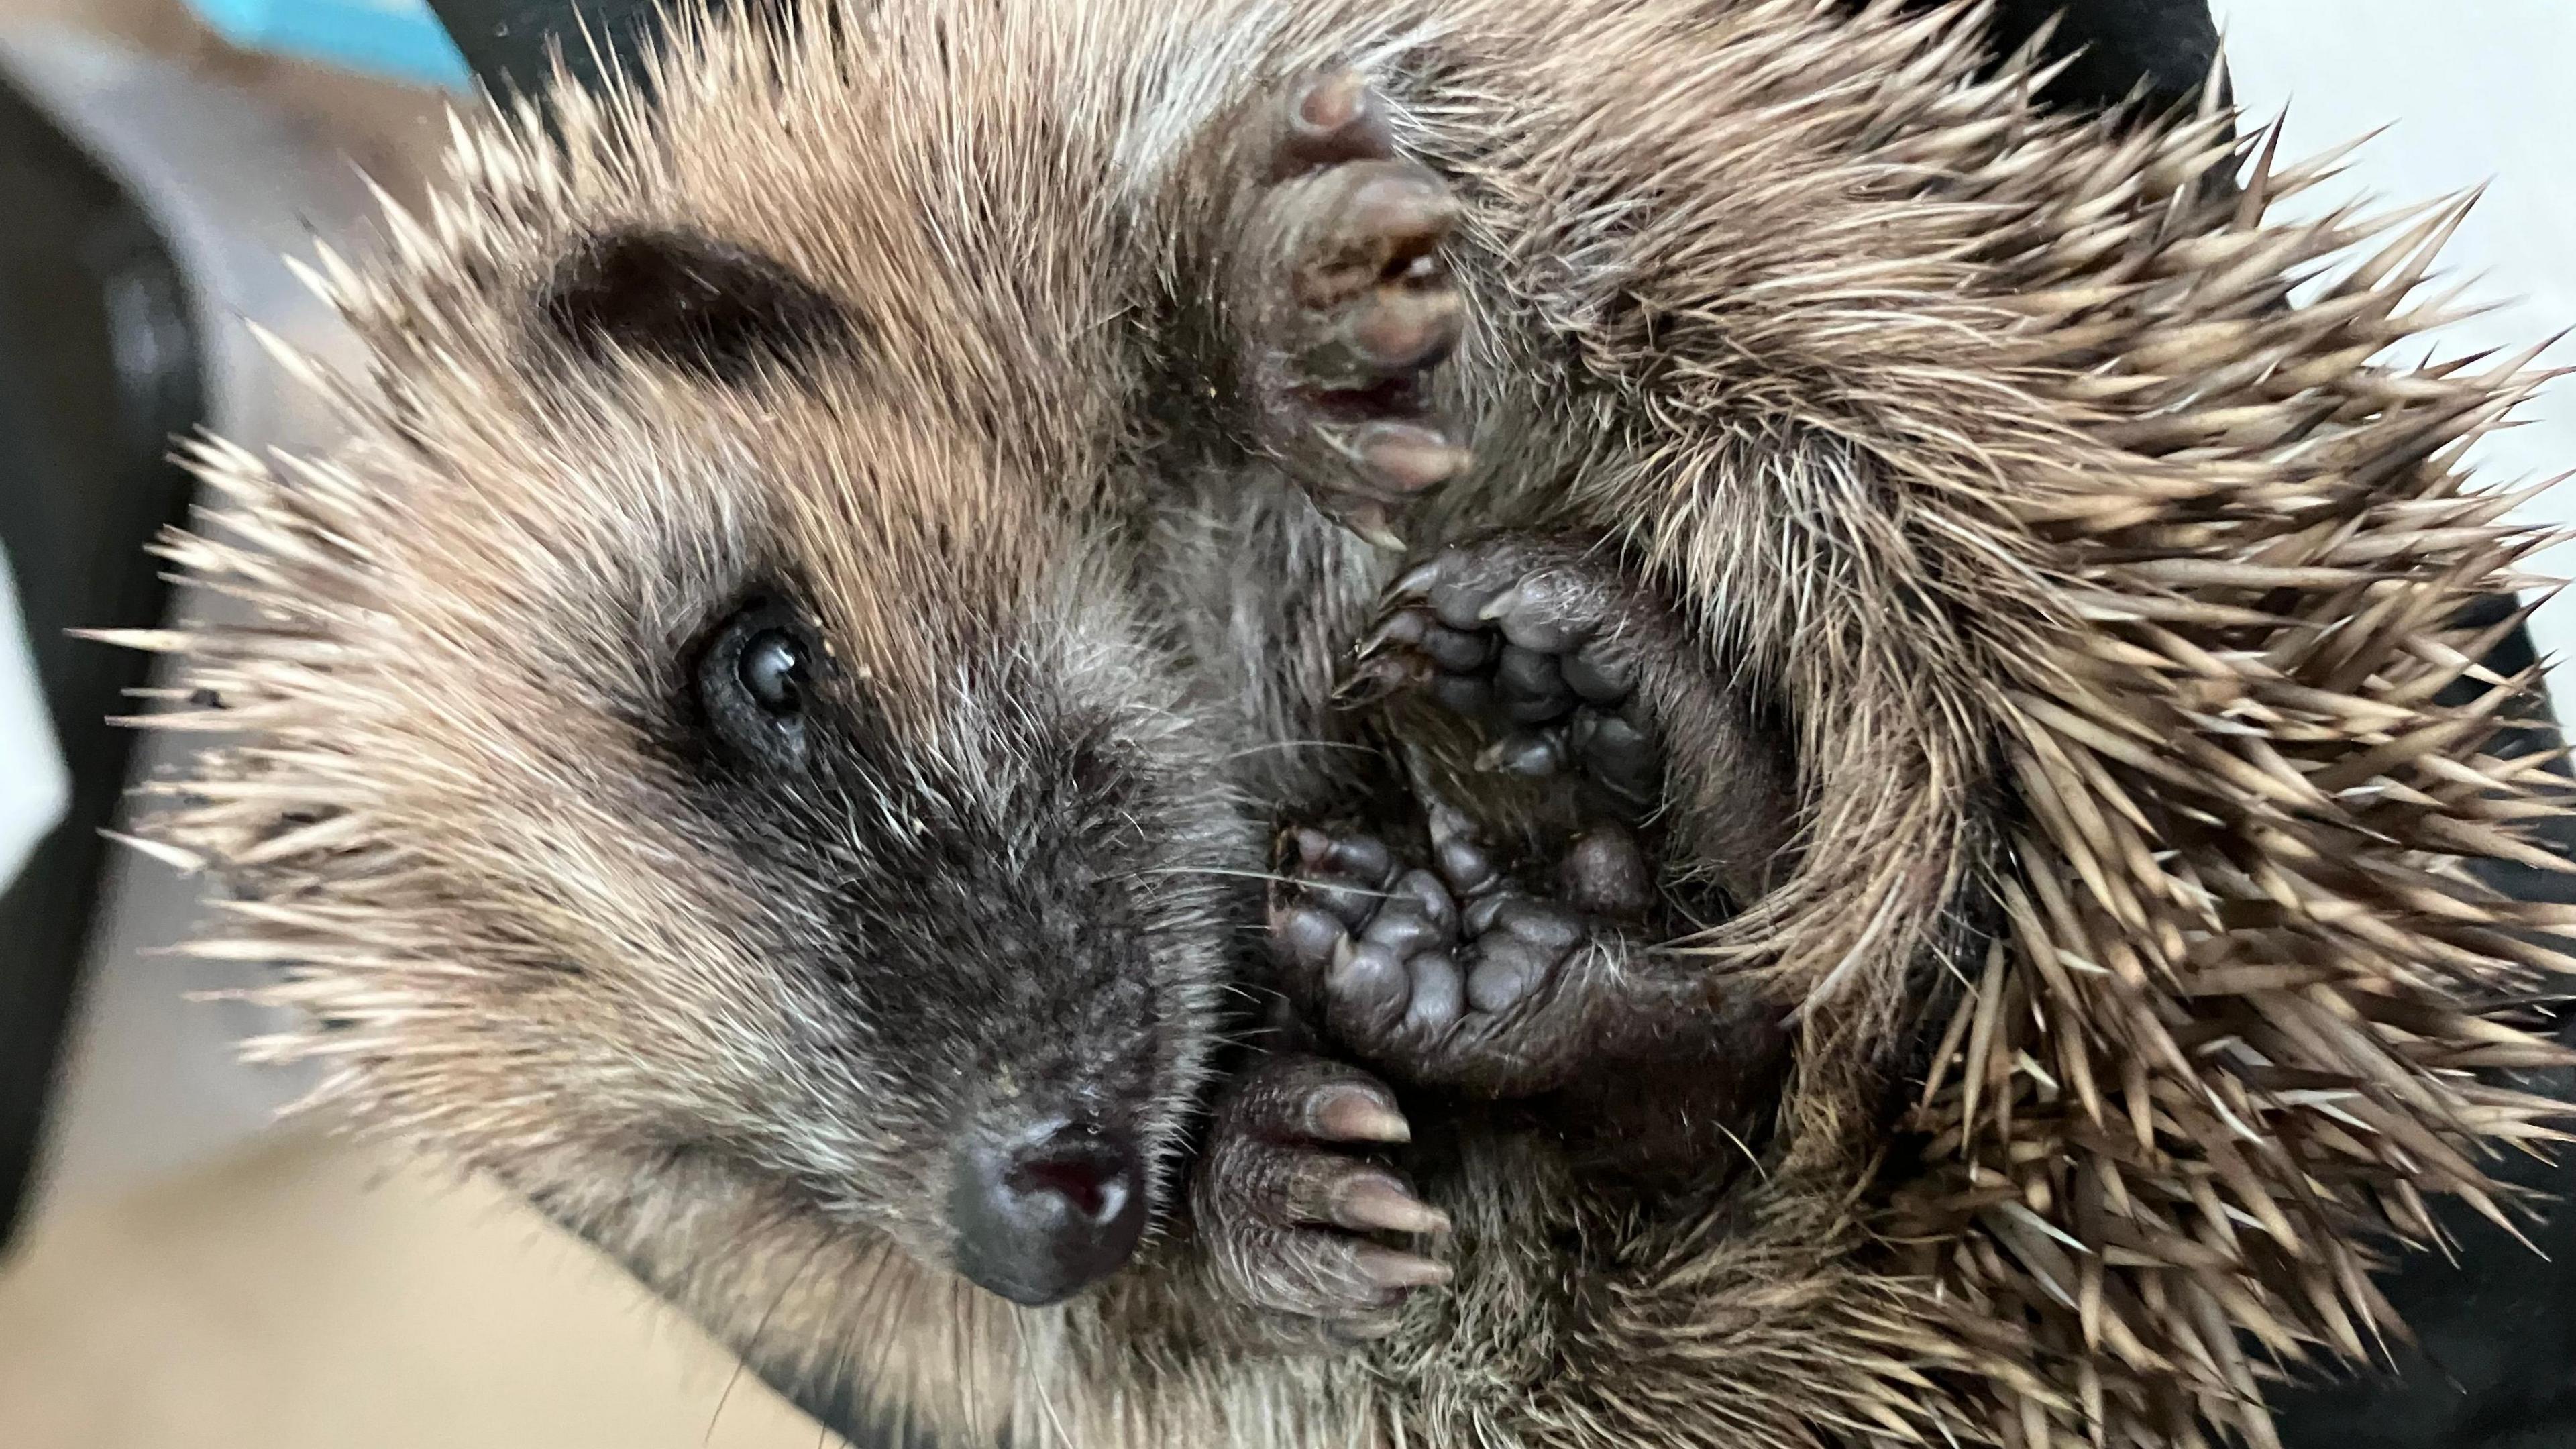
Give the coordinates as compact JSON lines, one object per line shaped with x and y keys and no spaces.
{"x":1263,"y":875}
{"x":760,"y":1330}
{"x":1283,"y":745}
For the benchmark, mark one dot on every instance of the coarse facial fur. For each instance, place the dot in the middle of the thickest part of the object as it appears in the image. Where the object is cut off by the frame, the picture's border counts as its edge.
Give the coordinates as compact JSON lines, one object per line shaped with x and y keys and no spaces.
{"x":2105,"y":595}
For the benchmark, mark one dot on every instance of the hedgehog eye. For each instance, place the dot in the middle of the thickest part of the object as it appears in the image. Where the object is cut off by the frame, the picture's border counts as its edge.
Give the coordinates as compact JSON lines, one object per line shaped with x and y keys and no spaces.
{"x":773,"y":671}
{"x":753,"y":681}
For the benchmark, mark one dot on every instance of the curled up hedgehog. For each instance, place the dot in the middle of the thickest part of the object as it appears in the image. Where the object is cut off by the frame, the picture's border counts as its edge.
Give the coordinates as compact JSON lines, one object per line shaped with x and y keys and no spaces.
{"x":1288,"y":723}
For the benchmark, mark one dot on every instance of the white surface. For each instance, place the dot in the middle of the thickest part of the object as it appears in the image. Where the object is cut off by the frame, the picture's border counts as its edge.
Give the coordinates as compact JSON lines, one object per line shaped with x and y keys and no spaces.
{"x":2473,"y":92}
{"x":35,"y":785}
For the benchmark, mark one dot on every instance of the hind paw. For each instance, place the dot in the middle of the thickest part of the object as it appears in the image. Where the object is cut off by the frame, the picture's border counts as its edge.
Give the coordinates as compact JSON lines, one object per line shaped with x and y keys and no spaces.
{"x":1291,"y":1214}
{"x":1453,"y":974}
{"x":1346,"y":306}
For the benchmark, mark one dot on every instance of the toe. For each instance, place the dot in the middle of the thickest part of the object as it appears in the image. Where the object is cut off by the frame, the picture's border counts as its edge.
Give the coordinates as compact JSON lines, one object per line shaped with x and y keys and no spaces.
{"x":1406,"y":326}
{"x":1390,"y":215}
{"x":1596,"y":677}
{"x":1327,"y":1275}
{"x":1344,"y":875}
{"x":1403,"y":629}
{"x":1383,"y":675}
{"x":1306,"y":935}
{"x":1605,"y":872}
{"x":1615,"y":751}
{"x":1518,"y":943}
{"x":1439,"y":996}
{"x":1356,"y":1110}
{"x":1394,"y":459}
{"x":1457,"y":651}
{"x":1544,"y":924}
{"x":1306,"y":1188}
{"x":1532,"y":753}
{"x":1545,"y":612}
{"x":1407,"y":458}
{"x":1458,"y":599}
{"x":1352,"y":905}
{"x":1530,"y":686}
{"x":1298,"y":1099}
{"x":1466,"y":866}
{"x":1363,"y":859}
{"x":1387,"y":332}
{"x":1507,"y":971}
{"x":1429,"y":896}
{"x":1528,"y":672}
{"x":1369,"y":1200}
{"x":1403,"y":927}
{"x":1334,"y":118}
{"x":1366,"y":991}
{"x":1389,"y":1270}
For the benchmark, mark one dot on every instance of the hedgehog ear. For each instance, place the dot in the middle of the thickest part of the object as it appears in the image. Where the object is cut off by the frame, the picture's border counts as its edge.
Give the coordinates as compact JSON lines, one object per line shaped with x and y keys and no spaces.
{"x":700,"y":305}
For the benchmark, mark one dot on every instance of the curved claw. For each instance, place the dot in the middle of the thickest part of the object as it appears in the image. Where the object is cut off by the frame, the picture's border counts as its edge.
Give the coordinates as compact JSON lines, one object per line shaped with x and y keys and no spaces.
{"x":1284,"y":1214}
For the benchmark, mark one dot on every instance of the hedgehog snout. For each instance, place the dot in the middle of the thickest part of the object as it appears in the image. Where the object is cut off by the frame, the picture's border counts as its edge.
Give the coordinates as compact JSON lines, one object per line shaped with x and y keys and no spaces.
{"x":1043,"y":1209}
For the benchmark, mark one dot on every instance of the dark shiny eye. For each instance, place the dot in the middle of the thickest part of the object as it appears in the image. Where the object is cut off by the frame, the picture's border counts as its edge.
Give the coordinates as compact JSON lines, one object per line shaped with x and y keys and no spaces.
{"x":773,"y":671}
{"x":754,"y":679}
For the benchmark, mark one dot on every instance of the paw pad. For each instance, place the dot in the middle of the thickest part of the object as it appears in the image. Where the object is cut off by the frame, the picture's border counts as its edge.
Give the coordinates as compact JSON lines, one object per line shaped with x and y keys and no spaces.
{"x":1452,"y":972}
{"x":1541,"y":650}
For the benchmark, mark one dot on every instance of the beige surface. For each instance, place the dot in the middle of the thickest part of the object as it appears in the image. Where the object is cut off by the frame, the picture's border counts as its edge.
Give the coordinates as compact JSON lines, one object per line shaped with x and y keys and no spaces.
{"x":304,"y":1296}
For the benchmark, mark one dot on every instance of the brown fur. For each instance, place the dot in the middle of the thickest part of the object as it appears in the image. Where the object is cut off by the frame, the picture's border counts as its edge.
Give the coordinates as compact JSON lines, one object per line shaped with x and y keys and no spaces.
{"x":2107,"y":595}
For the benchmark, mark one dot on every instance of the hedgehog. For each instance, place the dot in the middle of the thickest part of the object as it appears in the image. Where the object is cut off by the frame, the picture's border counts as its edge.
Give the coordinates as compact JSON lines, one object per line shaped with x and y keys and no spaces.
{"x":1071,"y":710}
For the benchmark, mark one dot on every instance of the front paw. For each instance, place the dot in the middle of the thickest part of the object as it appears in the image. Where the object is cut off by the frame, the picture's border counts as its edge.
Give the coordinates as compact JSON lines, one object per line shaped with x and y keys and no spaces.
{"x":1284,"y":1202}
{"x":1573,"y":671}
{"x":1345,"y":305}
{"x":1455,"y":974}
{"x":1540,"y":647}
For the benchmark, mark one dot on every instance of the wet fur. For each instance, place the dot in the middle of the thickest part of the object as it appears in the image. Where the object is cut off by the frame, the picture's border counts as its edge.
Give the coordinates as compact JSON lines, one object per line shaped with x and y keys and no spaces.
{"x":1971,"y":432}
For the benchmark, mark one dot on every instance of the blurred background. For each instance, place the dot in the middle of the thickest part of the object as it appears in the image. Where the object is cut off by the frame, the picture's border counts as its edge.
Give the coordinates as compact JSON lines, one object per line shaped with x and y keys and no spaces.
{"x":178,"y":1270}
{"x":183,"y":1274}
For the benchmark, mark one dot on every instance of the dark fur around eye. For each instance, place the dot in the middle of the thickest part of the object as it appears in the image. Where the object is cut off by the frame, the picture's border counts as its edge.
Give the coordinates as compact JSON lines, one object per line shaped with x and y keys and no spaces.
{"x":753,"y":677}
{"x":695,"y":303}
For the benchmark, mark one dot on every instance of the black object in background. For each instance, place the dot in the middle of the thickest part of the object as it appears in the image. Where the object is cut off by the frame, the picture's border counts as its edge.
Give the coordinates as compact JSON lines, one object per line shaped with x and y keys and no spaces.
{"x":2163,"y":47}
{"x":98,"y":369}
{"x":2496,"y":1366}
{"x":506,"y":41}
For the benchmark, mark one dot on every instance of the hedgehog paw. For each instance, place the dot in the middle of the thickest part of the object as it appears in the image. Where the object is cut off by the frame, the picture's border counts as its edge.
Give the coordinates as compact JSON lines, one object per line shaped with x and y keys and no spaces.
{"x":1291,"y":1214}
{"x":1349,"y":306}
{"x":1542,"y":648}
{"x":1453,"y":975}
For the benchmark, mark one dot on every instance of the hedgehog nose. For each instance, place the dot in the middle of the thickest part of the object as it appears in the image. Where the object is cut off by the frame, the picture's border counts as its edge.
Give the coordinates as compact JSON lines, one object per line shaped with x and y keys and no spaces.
{"x":1044,"y":1212}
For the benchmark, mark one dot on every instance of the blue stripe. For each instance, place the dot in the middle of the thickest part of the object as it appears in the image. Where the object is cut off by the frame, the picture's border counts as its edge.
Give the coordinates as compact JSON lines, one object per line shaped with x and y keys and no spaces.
{"x":397,"y":38}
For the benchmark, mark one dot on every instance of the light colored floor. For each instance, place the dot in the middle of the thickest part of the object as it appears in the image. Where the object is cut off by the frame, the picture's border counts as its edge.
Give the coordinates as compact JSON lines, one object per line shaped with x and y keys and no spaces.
{"x":305,"y":1296}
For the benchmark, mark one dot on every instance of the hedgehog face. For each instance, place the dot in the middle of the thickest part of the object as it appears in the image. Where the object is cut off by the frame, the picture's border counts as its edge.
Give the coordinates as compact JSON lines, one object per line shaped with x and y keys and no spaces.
{"x":733,"y":765}
{"x":983,"y":903}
